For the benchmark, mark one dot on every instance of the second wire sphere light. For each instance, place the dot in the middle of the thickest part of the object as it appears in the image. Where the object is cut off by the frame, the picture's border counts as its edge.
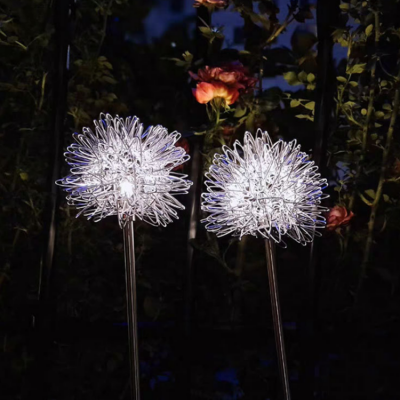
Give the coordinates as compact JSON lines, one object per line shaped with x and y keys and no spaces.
{"x":264,"y":189}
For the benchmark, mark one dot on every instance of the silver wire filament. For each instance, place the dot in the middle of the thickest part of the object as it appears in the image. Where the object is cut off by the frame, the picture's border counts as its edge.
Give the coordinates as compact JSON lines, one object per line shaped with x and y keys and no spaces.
{"x":122,"y":169}
{"x":263,"y":189}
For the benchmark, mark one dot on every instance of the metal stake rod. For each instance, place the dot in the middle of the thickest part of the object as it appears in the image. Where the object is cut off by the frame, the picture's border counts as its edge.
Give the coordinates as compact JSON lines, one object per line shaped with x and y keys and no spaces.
{"x":130,"y":277}
{"x":276,"y":316}
{"x":184,"y":379}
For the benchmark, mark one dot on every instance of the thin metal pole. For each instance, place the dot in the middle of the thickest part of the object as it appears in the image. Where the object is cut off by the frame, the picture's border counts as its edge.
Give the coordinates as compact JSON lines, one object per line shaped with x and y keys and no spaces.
{"x":184,"y":387}
{"x":276,"y":317}
{"x":130,"y":277}
{"x":194,"y":199}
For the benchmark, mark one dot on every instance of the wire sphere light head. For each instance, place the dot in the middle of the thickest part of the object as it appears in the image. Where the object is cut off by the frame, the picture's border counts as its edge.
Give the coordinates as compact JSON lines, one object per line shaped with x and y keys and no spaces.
{"x":122,"y":169}
{"x":263,"y":189}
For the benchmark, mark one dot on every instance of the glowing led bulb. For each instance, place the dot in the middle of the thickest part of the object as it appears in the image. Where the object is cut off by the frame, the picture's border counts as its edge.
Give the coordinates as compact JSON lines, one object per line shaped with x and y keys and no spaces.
{"x":126,"y":188}
{"x":264,"y":189}
{"x":122,"y":169}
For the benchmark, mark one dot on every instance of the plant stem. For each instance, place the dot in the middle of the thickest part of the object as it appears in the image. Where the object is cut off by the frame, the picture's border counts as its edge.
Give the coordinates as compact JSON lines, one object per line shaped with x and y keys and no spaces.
{"x":287,"y":21}
{"x":104,"y":28}
{"x":379,"y":190}
{"x":365,"y":130}
{"x":370,"y":109}
{"x":261,"y":75}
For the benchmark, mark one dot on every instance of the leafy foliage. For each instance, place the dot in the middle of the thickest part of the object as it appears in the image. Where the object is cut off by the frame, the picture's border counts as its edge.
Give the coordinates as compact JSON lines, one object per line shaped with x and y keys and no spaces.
{"x":114,"y":69}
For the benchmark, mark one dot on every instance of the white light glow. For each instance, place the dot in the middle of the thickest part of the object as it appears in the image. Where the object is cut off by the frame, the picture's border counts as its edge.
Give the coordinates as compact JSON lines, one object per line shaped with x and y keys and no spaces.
{"x":264,"y":189}
{"x":122,"y":169}
{"x":127,"y":189}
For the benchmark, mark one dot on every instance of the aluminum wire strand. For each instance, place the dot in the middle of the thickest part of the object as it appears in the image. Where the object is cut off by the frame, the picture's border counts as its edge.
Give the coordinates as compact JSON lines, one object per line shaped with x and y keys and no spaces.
{"x":122,"y":169}
{"x":264,"y":189}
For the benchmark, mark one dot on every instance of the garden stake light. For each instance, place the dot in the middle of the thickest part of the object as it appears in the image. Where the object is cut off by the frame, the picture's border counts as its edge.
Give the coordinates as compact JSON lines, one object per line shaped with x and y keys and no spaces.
{"x":266,"y":190}
{"x":122,"y":169}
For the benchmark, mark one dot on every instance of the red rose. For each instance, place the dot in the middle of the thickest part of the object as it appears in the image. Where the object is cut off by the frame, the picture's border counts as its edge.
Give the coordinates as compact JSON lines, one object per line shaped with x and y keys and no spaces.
{"x":211,"y":3}
{"x":205,"y":92}
{"x":396,"y":167}
{"x":185,"y":145}
{"x":338,"y":216}
{"x":236,"y":71}
{"x":224,"y":81}
{"x":228,"y":130}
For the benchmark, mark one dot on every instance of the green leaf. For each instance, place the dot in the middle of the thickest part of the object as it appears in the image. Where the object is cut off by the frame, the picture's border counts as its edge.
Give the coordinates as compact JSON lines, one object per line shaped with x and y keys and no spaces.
{"x":311,"y":86}
{"x":388,"y":115}
{"x":12,"y":39}
{"x":364,"y":111}
{"x":386,"y":198}
{"x":338,"y":34}
{"x":108,"y":79}
{"x":291,"y":78}
{"x":310,"y":77}
{"x":369,"y":29}
{"x":294,"y":103}
{"x":379,"y":114}
{"x":24,"y":176}
{"x":374,"y":136}
{"x":387,"y":107}
{"x":205,"y":30}
{"x":187,"y":56}
{"x":310,"y":105}
{"x":371,"y":193}
{"x":384,"y":83}
{"x":356,"y":69}
{"x":305,"y":116}
{"x":341,"y":79}
{"x":364,"y":199}
{"x":303,"y":76}
{"x":353,"y":83}
{"x":344,"y":7}
{"x":239,"y":111}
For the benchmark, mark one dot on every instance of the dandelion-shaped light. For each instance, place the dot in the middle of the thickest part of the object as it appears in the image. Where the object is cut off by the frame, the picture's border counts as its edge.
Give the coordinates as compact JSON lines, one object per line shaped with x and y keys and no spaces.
{"x":264,"y":189}
{"x":122,"y":169}
{"x":267,"y":190}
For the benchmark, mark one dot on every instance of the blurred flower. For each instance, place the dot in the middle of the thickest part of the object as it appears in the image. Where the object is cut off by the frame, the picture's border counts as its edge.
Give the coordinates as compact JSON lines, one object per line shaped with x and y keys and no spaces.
{"x":228,"y":130}
{"x":211,"y":3}
{"x":237,"y":74}
{"x":233,"y":74}
{"x":205,"y":92}
{"x":396,"y":167}
{"x":228,"y":79}
{"x":184,"y":144}
{"x":338,"y":216}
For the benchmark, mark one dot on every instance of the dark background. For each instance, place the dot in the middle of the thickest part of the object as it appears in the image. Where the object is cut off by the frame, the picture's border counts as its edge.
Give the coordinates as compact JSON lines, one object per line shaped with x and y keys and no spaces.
{"x":70,"y":340}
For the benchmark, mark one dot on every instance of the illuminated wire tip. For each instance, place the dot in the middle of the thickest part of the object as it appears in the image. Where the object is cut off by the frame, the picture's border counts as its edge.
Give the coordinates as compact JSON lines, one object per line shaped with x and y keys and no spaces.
{"x":264,"y":189}
{"x":122,"y":169}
